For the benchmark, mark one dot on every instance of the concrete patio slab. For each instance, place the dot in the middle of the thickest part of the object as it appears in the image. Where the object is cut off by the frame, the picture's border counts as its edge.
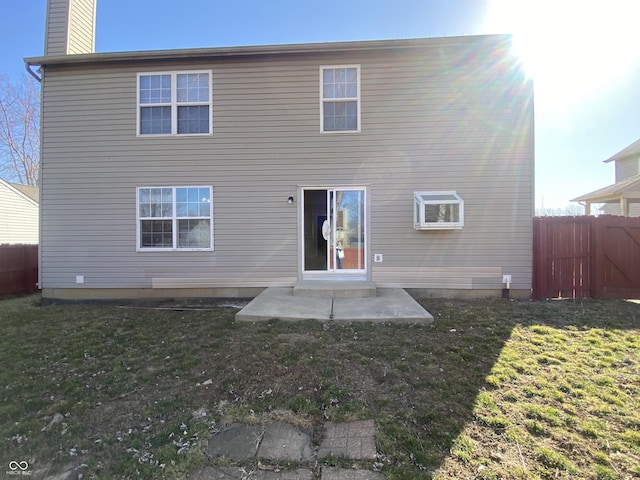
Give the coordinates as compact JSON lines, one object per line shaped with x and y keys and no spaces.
{"x":389,"y":305}
{"x":279,"y":302}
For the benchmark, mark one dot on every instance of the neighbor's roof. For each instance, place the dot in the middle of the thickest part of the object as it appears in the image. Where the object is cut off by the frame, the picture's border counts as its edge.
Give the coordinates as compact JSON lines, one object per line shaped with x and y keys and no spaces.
{"x":260,"y":50}
{"x":633,"y":149}
{"x":32,"y":192}
{"x":628,"y":188}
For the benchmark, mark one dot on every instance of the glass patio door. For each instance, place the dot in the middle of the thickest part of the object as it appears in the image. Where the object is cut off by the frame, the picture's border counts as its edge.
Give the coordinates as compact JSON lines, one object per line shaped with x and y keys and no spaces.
{"x":334,"y":228}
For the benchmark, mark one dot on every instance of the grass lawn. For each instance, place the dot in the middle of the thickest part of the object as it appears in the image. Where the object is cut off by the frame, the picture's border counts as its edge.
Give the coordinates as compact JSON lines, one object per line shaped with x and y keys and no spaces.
{"x":493,"y":389}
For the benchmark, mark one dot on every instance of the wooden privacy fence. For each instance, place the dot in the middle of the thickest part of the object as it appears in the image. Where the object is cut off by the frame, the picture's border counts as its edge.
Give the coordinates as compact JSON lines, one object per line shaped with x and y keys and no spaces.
{"x":18,"y":269}
{"x":596,"y":257}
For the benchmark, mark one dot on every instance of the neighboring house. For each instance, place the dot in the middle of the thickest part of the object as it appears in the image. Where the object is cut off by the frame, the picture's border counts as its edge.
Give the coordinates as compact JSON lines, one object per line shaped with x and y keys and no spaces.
{"x":19,"y":213}
{"x":623,"y":197}
{"x":222,"y":171}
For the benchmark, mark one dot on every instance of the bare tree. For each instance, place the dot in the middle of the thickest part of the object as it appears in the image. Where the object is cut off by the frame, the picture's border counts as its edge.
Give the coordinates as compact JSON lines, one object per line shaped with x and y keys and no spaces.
{"x":20,"y":130}
{"x":572,"y":210}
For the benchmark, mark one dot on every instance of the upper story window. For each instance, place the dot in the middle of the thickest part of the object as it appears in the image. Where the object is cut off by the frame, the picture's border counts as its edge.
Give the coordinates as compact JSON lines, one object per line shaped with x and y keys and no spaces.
{"x":174,"y":103}
{"x":340,"y":98}
{"x":174,"y":218}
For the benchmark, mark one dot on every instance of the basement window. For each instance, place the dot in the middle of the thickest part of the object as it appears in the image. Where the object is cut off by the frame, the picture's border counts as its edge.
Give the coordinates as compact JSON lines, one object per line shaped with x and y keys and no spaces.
{"x":438,"y":211}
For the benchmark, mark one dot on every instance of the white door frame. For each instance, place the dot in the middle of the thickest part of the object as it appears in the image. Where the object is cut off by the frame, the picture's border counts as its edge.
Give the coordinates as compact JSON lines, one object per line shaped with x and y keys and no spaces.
{"x":333,"y":273}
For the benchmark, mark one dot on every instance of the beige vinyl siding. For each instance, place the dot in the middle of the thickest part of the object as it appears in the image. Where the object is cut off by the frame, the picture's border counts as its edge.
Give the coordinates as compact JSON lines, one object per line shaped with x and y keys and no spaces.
{"x":432,"y":119}
{"x":627,"y":168}
{"x":614,"y":209}
{"x":70,"y":27}
{"x":55,"y":42}
{"x":18,"y":217}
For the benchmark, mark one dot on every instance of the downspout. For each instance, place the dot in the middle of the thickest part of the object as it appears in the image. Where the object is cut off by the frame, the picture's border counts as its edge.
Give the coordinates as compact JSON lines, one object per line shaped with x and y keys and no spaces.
{"x":28,"y":66}
{"x":587,"y":207}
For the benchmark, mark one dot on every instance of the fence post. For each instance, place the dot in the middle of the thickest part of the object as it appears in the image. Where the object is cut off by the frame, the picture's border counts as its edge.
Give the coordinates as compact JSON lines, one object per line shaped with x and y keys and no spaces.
{"x":534,"y":266}
{"x":31,"y":269}
{"x":597,"y":258}
{"x":539,"y":259}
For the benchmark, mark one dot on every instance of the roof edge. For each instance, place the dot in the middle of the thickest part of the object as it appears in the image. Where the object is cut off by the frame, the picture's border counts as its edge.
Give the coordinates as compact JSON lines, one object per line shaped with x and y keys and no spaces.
{"x":258,"y":50}
{"x":628,"y":151}
{"x":22,"y":194}
{"x":609,"y":193}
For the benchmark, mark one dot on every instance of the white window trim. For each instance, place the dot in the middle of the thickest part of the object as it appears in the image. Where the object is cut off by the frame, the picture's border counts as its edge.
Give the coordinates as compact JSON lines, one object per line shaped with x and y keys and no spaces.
{"x":349,"y":99}
{"x":174,"y":104}
{"x":174,"y":220}
{"x":419,"y":202}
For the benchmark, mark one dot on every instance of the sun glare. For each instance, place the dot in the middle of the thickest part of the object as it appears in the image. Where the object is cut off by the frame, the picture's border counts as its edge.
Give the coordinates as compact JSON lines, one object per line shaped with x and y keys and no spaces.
{"x":570,"y":48}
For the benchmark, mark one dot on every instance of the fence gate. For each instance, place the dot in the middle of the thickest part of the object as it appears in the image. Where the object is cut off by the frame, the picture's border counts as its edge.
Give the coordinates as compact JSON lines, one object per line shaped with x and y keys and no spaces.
{"x":586,"y":257}
{"x":617,"y":257}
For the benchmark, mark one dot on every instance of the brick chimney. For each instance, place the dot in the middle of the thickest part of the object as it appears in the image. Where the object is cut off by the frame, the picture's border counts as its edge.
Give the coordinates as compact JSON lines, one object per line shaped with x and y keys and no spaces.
{"x":70,"y":27}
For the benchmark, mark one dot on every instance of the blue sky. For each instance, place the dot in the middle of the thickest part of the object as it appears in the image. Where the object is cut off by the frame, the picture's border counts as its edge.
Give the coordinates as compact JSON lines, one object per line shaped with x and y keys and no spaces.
{"x":582,"y":54}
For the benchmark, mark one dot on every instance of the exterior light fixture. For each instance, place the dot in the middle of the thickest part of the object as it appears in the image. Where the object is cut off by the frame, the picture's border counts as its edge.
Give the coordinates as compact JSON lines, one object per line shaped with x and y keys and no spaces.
{"x":290,"y":199}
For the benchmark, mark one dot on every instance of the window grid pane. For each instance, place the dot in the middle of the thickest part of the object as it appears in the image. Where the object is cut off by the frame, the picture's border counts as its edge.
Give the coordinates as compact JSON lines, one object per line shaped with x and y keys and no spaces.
{"x":340,"y":116}
{"x":156,"y":233}
{"x":340,"y":83}
{"x":155,"y":120}
{"x":193,"y":202}
{"x":155,"y":203}
{"x":155,"y":89}
{"x":194,"y":233}
{"x":193,"y":119}
{"x":193,"y":87}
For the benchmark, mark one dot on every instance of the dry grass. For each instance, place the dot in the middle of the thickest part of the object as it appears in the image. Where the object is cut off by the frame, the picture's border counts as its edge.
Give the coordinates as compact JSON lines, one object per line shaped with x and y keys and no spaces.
{"x":493,"y":389}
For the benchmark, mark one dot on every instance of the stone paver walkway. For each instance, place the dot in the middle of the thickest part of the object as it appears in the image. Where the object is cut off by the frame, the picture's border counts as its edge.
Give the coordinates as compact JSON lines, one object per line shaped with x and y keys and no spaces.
{"x":237,"y":473}
{"x":333,"y":473}
{"x":283,"y":442}
{"x":237,"y":442}
{"x":355,"y":440}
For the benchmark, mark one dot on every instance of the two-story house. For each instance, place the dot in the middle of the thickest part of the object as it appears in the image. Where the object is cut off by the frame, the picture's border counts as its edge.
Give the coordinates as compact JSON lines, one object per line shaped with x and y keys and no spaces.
{"x":222,"y":171}
{"x":623,"y":197}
